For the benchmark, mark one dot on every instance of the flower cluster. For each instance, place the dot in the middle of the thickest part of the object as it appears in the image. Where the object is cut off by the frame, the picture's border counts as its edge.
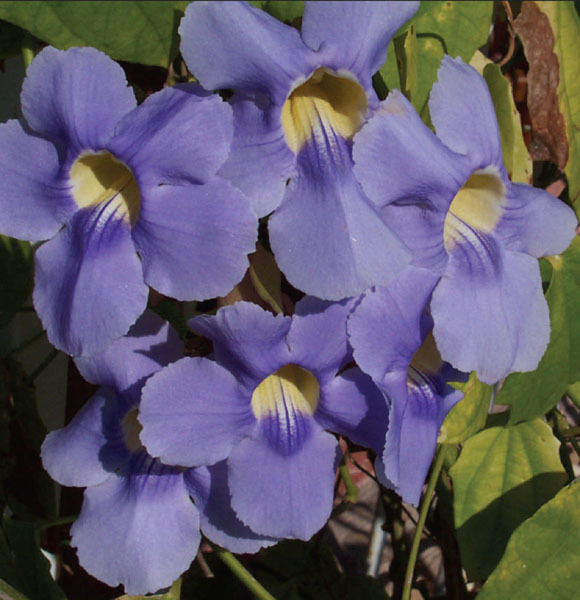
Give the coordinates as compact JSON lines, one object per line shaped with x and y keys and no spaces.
{"x":416,"y":252}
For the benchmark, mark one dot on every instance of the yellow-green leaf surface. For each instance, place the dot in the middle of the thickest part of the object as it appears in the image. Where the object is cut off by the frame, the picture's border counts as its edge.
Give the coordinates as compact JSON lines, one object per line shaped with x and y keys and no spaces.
{"x":468,"y":416}
{"x":503,"y":475}
{"x":531,"y":395}
{"x":541,"y":560}
{"x":442,"y":27}
{"x":140,"y":32}
{"x":566,"y":28}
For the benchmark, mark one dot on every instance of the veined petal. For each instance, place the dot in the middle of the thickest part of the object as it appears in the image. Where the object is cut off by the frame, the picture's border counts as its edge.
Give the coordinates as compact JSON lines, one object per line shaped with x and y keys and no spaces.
{"x":489,"y":310}
{"x":34,"y":200}
{"x":91,"y":447}
{"x":284,"y":496}
{"x":247,"y":340}
{"x":149,"y":345}
{"x":535,"y":222}
{"x":194,"y":239}
{"x":354,"y":35}
{"x":460,"y":93}
{"x":89,"y":283}
{"x":327,"y":237}
{"x":234,"y":45}
{"x":193,"y":413}
{"x":139,"y":529}
{"x":260,"y":162}
{"x":209,"y":487}
{"x":159,"y":152}
{"x":75,"y":98}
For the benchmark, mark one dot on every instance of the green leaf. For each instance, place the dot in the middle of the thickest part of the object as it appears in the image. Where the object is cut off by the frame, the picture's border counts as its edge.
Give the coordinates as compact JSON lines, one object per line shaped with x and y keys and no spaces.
{"x":468,"y":416}
{"x":455,"y":28}
{"x":284,"y":10}
{"x":7,"y":592}
{"x":573,"y":393}
{"x":140,"y":32}
{"x":10,"y":39}
{"x":541,"y":559}
{"x":266,"y":277}
{"x":174,"y":593}
{"x":531,"y":395}
{"x":566,"y":28}
{"x":503,"y":475}
{"x":16,"y":276}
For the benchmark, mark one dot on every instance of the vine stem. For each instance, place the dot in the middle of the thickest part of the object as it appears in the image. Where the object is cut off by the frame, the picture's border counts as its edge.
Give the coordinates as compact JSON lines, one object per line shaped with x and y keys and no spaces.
{"x":238,"y":569}
{"x":440,"y":459}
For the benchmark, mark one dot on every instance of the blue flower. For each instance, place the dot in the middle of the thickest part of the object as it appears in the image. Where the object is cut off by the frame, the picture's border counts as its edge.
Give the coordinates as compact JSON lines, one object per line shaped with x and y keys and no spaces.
{"x":450,"y":199}
{"x":129,"y":196}
{"x":392,"y":340}
{"x":137,"y":526}
{"x":263,"y":406}
{"x":300,"y":98}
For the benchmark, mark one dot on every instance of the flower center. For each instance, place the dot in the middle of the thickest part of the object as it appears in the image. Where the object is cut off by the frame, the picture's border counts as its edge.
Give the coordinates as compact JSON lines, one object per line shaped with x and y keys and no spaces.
{"x":101,"y":178}
{"x":131,"y":430}
{"x":290,"y":391}
{"x":324,"y":100}
{"x":477,"y":206}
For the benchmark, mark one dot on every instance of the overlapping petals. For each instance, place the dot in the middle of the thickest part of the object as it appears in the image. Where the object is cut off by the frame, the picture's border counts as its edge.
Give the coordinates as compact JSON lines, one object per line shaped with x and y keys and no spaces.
{"x":466,"y":222}
{"x":299,"y":100}
{"x":263,"y":407}
{"x":131,"y":200}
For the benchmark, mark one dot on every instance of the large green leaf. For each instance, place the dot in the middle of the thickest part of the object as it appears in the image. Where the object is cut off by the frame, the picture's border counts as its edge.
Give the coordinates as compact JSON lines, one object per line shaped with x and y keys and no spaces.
{"x":542,"y":559}
{"x":531,"y":395}
{"x":503,"y":475}
{"x":140,"y":32}
{"x":16,"y":276}
{"x":442,"y":27}
{"x":468,"y":416}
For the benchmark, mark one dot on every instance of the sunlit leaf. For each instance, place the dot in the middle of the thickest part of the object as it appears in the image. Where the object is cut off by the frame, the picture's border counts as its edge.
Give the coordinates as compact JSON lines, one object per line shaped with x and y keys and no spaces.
{"x":541,"y":559}
{"x":503,"y":475}
{"x":136,"y":31}
{"x":531,"y":395}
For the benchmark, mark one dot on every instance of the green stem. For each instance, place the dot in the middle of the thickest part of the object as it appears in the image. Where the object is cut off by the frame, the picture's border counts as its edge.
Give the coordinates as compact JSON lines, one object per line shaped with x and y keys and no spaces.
{"x":48,"y":359}
{"x":41,"y":525}
{"x":570,"y":433}
{"x":27,"y":50}
{"x":238,"y":569}
{"x":27,"y":343}
{"x":436,"y":470}
{"x":351,"y":490}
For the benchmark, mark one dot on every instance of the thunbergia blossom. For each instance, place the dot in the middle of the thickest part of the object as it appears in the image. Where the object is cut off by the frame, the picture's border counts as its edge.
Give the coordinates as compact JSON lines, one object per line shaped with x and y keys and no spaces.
{"x":299,"y":99}
{"x":263,"y":406}
{"x":449,"y":197}
{"x":129,"y":196}
{"x":392,"y":340}
{"x":137,"y":526}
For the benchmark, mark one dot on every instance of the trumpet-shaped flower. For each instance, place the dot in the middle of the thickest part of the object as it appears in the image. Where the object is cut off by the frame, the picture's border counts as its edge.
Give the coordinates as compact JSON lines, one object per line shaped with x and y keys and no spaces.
{"x":138,"y":526}
{"x":450,"y":199}
{"x":392,"y":340}
{"x":127,"y":196}
{"x":263,"y":406}
{"x":300,"y":98}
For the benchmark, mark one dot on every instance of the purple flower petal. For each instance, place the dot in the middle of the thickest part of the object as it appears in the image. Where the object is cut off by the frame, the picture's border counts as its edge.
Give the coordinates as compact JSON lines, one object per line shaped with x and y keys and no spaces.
{"x":149,"y":345}
{"x":247,"y":340}
{"x":317,"y":336}
{"x":148,"y":140}
{"x":194,"y":239}
{"x":89,"y":283}
{"x":413,"y":205}
{"x":209,"y":488}
{"x":260,"y":162}
{"x":140,"y":530}
{"x":535,"y":222}
{"x":34,"y":200}
{"x":389,"y":324}
{"x":193,"y":413}
{"x":327,"y":237}
{"x":352,"y":405}
{"x":354,"y":34}
{"x":460,"y":93}
{"x":75,"y":97}
{"x":234,"y":45}
{"x":489,"y":310}
{"x":280,"y":495}
{"x":91,"y":446}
